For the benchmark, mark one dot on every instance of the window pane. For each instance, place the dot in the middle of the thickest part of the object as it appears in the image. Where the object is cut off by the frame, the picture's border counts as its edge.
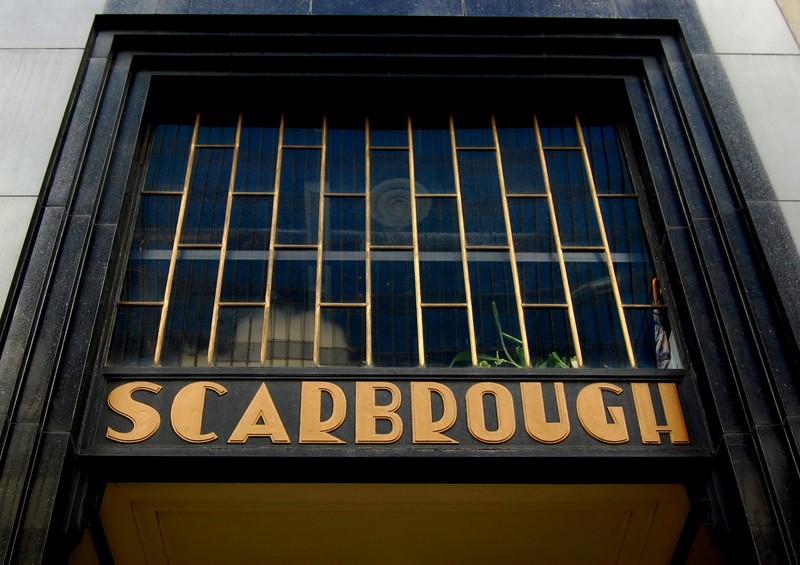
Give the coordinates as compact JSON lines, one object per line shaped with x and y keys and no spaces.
{"x":548,"y":333}
{"x":481,"y":196}
{"x":258,"y":153}
{"x":394,"y":315}
{"x":208,"y":196}
{"x":169,"y":155}
{"x":133,"y":342}
{"x":433,"y":155}
{"x":494,"y":308}
{"x":390,"y":198}
{"x":346,"y":155}
{"x":446,"y":333}
{"x":599,"y":325}
{"x":522,"y":168}
{"x":342,"y":340}
{"x":298,"y":203}
{"x":239,"y":337}
{"x":611,"y":174}
{"x":572,"y":197}
{"x":441,"y":269}
{"x":245,"y":275}
{"x":190,"y":309}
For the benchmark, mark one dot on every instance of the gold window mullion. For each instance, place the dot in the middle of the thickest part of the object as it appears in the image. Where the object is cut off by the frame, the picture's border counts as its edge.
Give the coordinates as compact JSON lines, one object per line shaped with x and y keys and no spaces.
{"x":320,"y":234}
{"x":559,"y":249}
{"x":212,"y":340}
{"x":368,"y":246}
{"x":272,"y":238}
{"x":415,"y":243}
{"x":510,"y":236}
{"x":162,"y":324}
{"x":473,"y":348}
{"x":606,"y":247}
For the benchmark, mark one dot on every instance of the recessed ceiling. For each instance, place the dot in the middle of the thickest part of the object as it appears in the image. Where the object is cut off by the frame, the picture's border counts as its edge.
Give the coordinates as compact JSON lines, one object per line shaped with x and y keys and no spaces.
{"x":175,"y":524}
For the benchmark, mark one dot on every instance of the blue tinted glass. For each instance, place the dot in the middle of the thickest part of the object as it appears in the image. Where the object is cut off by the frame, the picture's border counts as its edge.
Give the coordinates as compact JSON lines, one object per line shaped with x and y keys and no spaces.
{"x":446,"y":334}
{"x":208,"y":196}
{"x":433,"y":156}
{"x":258,"y":154}
{"x":133,"y":342}
{"x":473,"y":129}
{"x":481,"y":197}
{"x":388,"y":129}
{"x":169,"y":157}
{"x":522,"y":167}
{"x":394,"y":322}
{"x":390,"y":198}
{"x":492,"y":289}
{"x":245,"y":275}
{"x":342,"y":337}
{"x":191,"y":308}
{"x":298,"y":203}
{"x":548,"y":332}
{"x":611,"y":174}
{"x":441,"y":269}
{"x":303,"y":128}
{"x":596,"y":314}
{"x":238,"y":342}
{"x":217,"y":128}
{"x":572,"y":197}
{"x":346,"y":161}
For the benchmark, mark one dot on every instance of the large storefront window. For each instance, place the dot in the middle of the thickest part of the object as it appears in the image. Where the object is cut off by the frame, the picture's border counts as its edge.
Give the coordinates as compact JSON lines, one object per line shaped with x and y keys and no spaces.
{"x":389,"y":240}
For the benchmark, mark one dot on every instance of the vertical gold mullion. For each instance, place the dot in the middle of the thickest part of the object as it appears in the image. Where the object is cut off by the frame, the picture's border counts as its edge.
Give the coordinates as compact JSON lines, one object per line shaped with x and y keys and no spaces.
{"x":272,"y":238}
{"x":320,"y":234}
{"x":212,"y":340}
{"x":415,"y":242}
{"x":162,"y":324}
{"x":368,"y":245}
{"x":473,"y":348}
{"x":510,"y":236}
{"x":559,"y":250}
{"x":606,"y":247}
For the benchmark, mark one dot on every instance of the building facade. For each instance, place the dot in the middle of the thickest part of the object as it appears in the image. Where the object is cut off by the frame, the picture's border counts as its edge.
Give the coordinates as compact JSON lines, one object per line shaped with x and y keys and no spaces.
{"x":416,"y":281}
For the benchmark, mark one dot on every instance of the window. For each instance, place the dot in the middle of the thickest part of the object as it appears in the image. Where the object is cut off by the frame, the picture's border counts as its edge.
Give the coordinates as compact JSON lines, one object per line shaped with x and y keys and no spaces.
{"x":389,"y":239}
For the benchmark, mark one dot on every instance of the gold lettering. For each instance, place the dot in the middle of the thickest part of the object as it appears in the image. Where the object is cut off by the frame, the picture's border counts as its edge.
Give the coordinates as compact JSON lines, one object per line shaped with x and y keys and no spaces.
{"x":649,"y":428}
{"x":187,"y":411}
{"x":145,"y":418}
{"x":476,"y":418}
{"x":592,"y":414}
{"x":368,"y":413}
{"x":425,"y":430}
{"x":536,"y":422}
{"x":261,"y":419}
{"x":312,"y":429}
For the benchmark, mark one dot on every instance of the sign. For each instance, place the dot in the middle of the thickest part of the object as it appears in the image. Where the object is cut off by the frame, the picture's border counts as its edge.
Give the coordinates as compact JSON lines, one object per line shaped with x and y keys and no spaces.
{"x":275,"y":414}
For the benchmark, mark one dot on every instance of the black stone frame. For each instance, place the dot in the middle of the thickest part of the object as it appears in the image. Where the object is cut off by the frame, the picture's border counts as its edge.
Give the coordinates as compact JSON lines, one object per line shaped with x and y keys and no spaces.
{"x":736,"y":341}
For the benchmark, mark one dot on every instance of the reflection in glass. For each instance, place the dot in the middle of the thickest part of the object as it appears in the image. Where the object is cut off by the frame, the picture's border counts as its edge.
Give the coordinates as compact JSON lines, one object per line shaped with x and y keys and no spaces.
{"x":398,"y":291}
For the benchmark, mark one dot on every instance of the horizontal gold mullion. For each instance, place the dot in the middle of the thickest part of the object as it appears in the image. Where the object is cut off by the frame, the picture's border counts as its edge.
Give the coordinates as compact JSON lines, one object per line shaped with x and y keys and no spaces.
{"x":477,"y":148}
{"x":241,"y":304}
{"x":252,"y":193}
{"x":302,"y":147}
{"x":444,"y":304}
{"x":299,"y":246}
{"x":487,"y":247}
{"x":214,"y":146}
{"x":342,"y":304}
{"x":582,"y":248}
{"x":532,"y":305}
{"x":531,"y":195}
{"x":345,"y":194}
{"x":199,"y":246}
{"x":645,"y":306}
{"x":388,"y":148}
{"x":140,"y":303}
{"x":562,"y":148}
{"x":162,"y":192}
{"x":391,"y":248}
